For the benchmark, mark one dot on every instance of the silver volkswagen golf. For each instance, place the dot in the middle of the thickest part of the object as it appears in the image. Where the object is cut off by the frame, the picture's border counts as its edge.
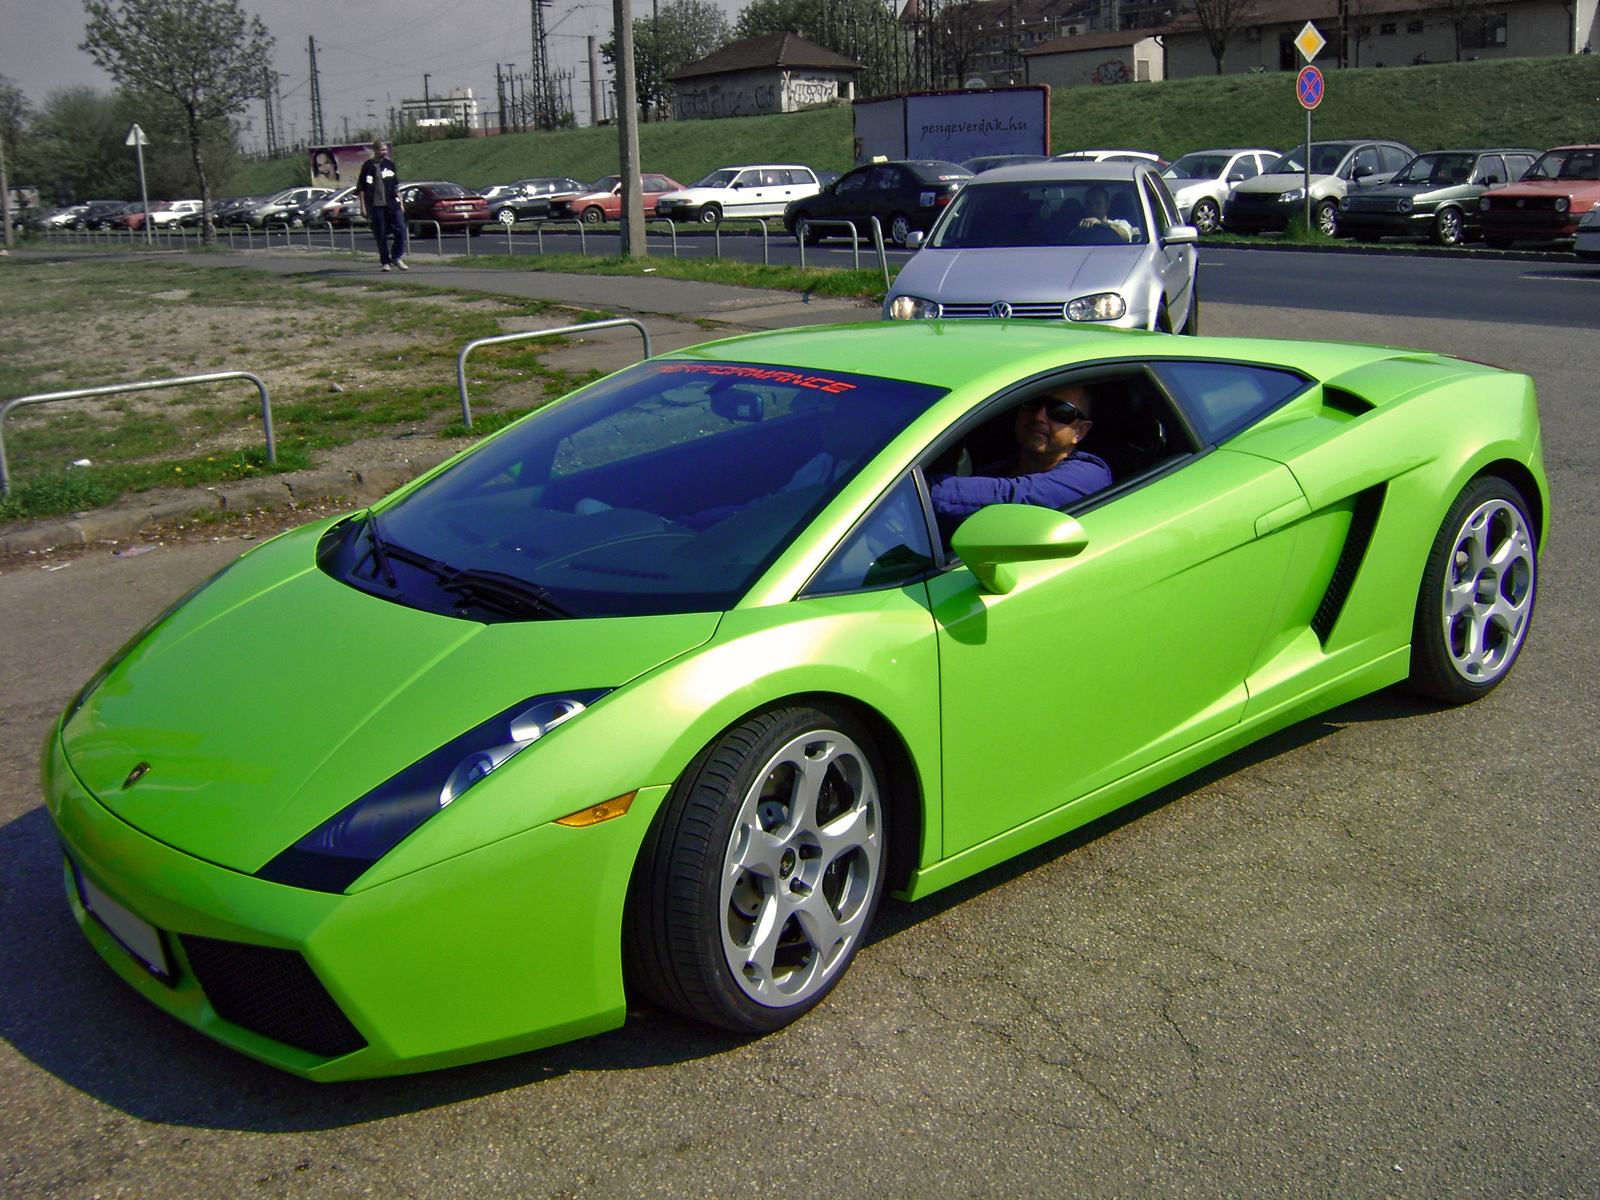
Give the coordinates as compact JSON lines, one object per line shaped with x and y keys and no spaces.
{"x":1087,"y":243}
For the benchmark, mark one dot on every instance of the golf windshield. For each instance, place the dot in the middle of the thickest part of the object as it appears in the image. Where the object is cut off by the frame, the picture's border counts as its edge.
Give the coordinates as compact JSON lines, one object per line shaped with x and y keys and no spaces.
{"x":1325,"y":159}
{"x":666,"y":488}
{"x":1438,"y":170}
{"x":1056,"y":212}
{"x":1566,"y":164}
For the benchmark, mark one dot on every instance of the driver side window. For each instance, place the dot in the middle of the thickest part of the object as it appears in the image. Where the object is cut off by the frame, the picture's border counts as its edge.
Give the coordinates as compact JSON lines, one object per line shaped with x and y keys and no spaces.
{"x":889,"y":547}
{"x":855,"y":182}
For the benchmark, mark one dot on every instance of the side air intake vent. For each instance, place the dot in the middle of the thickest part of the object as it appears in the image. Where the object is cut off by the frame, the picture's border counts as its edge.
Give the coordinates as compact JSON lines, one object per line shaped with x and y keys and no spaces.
{"x":271,"y":992}
{"x":1362,"y":522}
{"x":1340,"y":400}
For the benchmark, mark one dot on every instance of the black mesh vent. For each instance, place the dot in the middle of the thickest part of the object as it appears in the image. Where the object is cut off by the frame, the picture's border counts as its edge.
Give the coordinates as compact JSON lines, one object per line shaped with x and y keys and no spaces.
{"x":1362,"y":522}
{"x":273,"y":993}
{"x":1346,"y":402}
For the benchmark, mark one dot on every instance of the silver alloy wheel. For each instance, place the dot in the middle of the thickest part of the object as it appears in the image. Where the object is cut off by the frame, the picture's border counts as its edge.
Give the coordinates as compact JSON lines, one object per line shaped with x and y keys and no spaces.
{"x":1448,"y":227}
{"x":899,"y":229}
{"x":1488,"y":591}
{"x":801,"y":868}
{"x":1205,"y":217}
{"x":506,"y":216}
{"x":1326,"y":216}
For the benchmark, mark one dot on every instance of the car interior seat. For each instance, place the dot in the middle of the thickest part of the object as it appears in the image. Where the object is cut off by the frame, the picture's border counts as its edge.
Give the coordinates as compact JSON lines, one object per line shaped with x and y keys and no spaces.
{"x":1128,"y":431}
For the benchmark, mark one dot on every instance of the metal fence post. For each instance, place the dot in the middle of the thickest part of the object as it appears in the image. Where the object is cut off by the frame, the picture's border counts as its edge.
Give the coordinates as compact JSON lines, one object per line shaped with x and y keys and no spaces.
{"x":508,"y":236}
{"x":146,"y":385}
{"x":883,"y":259}
{"x":461,"y":359}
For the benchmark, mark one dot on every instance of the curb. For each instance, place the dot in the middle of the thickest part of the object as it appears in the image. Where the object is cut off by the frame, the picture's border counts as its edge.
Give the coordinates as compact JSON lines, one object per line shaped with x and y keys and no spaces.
{"x":114,"y":524}
{"x":1544,"y":256}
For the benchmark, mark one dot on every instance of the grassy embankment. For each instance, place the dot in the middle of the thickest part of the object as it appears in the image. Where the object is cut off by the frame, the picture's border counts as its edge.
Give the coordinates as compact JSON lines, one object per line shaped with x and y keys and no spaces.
{"x":343,"y":362}
{"x":1538,"y":102}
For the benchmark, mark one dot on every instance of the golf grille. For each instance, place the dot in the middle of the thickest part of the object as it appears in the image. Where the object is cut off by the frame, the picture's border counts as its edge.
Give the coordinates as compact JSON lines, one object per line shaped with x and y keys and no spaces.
{"x":1048,"y":310}
{"x":271,"y":992}
{"x":1384,"y":204}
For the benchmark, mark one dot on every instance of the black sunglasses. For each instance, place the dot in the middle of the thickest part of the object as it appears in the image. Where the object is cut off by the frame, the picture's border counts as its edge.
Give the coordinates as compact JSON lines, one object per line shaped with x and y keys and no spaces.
{"x":1062,"y":412}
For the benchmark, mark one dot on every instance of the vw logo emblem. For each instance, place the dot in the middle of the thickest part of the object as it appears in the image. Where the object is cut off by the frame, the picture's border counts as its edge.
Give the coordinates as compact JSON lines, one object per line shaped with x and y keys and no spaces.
{"x":1522,"y":204}
{"x":1000,"y":309}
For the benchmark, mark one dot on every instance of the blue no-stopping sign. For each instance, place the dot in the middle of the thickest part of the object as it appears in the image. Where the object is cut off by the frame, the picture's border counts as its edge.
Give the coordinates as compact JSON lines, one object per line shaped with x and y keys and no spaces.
{"x":1308,"y":87}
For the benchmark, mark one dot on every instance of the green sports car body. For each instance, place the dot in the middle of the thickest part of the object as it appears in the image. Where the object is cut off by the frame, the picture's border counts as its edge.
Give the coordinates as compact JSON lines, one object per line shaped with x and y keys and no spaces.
{"x":662,"y":686}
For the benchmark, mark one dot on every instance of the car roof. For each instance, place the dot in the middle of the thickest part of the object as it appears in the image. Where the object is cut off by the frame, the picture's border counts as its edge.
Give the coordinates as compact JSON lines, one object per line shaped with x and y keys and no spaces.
{"x":1584,"y":146}
{"x":1046,"y":171}
{"x":761,"y":167}
{"x":1232,"y":150}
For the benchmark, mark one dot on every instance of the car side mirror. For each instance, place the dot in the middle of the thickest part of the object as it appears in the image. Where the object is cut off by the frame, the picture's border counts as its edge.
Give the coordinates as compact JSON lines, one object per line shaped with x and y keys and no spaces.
{"x":1490,"y":180}
{"x":1181,"y":235}
{"x":735,"y":186}
{"x":914,"y":240}
{"x":994,"y":538}
{"x":1363,"y":172}
{"x":1238,"y":177}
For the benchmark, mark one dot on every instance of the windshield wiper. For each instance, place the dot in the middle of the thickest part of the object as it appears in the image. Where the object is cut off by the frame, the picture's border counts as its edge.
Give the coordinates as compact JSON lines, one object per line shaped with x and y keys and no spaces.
{"x":380,"y":556}
{"x":505,"y":594}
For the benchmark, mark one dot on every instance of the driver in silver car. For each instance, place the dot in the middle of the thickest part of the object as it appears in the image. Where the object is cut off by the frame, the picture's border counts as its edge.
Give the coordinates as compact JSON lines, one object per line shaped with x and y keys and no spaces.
{"x":1097,"y":207}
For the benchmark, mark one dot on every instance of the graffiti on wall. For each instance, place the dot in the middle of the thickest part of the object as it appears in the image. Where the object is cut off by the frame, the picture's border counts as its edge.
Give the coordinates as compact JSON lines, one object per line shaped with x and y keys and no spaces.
{"x":803,"y":92}
{"x":714,"y":100}
{"x":1112,"y":71}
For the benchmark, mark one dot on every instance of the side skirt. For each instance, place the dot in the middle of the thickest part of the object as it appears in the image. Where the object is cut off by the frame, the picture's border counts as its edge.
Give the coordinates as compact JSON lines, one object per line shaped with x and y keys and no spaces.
{"x":1390,"y":668}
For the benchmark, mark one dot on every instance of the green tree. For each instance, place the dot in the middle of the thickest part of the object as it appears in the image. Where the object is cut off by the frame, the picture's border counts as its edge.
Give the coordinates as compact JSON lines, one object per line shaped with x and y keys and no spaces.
{"x":78,"y":147}
{"x":205,"y":56}
{"x":868,"y":31}
{"x":16,"y":120}
{"x":682,"y":32}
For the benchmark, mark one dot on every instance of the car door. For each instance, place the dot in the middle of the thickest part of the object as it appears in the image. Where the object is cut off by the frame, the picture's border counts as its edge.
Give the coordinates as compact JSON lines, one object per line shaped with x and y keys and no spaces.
{"x":745,"y":194}
{"x":1098,"y":666}
{"x":1366,"y":168}
{"x":885,"y":194}
{"x":798,"y":182}
{"x":1176,"y":263}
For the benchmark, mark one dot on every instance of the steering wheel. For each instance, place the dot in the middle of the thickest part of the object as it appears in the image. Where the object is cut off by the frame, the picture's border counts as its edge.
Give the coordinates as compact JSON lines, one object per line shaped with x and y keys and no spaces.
{"x":1098,"y":235}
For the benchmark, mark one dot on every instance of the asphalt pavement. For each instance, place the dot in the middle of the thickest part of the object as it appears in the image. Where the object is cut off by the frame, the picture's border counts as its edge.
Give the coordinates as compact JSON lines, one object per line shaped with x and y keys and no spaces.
{"x":1357,"y":959}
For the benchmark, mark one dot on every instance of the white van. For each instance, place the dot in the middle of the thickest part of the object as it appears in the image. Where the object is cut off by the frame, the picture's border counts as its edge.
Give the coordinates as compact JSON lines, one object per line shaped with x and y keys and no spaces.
{"x":753,"y":191}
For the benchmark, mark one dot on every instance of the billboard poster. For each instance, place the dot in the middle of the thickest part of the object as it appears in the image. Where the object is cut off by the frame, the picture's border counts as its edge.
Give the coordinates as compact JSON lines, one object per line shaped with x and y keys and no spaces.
{"x":954,"y":126}
{"x":338,"y":166}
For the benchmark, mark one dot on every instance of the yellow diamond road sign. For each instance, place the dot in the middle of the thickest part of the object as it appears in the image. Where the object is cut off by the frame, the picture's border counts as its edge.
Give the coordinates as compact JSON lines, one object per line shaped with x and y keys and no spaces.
{"x":1310,"y":42}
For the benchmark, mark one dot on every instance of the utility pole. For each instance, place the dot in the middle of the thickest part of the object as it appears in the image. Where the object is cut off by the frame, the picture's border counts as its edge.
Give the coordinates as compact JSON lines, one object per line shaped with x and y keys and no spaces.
{"x":267,"y":82}
{"x":347,"y":131}
{"x":5,"y":192}
{"x":500,"y":96}
{"x":319,"y":136}
{"x":544,"y":116}
{"x":628,"y":133}
{"x":594,"y":82}
{"x":427,"y":102}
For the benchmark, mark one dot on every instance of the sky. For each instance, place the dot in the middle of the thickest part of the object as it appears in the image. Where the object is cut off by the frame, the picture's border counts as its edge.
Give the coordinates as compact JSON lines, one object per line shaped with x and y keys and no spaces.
{"x":371,"y":54}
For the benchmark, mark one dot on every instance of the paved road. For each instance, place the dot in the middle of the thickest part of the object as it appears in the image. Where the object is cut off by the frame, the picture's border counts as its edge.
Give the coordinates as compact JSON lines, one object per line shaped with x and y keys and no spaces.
{"x":1356,"y":960}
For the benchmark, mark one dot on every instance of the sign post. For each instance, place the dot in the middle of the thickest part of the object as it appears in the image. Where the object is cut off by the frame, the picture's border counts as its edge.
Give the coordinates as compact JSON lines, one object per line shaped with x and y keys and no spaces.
{"x":1308,"y":88}
{"x":138,"y":141}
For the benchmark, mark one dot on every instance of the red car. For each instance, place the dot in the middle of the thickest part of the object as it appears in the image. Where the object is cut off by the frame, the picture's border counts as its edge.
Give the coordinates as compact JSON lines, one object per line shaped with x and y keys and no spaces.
{"x":604,"y":201}
{"x":450,"y":204}
{"x":133,"y":217}
{"x":1547,"y":203}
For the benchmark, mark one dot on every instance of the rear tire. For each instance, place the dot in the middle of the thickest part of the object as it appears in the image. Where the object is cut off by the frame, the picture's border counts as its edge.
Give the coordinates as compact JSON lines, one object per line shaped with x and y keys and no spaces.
{"x":1476,"y":602}
{"x":762,"y":871}
{"x":1191,"y":323}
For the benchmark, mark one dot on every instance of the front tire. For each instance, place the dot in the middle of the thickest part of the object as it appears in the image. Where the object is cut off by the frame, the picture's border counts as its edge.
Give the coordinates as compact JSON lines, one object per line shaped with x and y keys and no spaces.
{"x":593,"y":215}
{"x":899,"y":228}
{"x":1326,"y":218}
{"x":1447,"y":227}
{"x":762,"y":872}
{"x":506,"y":217}
{"x":1191,"y":323}
{"x":711,"y":214}
{"x":1206,"y":218}
{"x":1477,"y":595}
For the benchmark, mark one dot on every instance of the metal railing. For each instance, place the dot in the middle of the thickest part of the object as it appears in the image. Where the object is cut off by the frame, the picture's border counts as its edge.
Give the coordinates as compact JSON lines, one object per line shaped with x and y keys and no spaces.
{"x":583,"y":242}
{"x":147,"y":385}
{"x":438,"y":232}
{"x":801,"y":228}
{"x":672,"y":228}
{"x":501,"y":339}
{"x":883,"y":259}
{"x":716,"y":234}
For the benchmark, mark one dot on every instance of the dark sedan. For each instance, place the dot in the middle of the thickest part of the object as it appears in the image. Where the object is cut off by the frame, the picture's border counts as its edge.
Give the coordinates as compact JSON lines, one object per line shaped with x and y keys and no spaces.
{"x":1435,"y":196}
{"x":904,"y":196}
{"x":528,"y":199}
{"x":451,"y":205}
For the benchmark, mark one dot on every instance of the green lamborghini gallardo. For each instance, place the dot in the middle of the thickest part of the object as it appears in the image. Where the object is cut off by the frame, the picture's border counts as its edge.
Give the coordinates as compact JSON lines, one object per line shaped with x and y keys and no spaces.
{"x":657,"y":690}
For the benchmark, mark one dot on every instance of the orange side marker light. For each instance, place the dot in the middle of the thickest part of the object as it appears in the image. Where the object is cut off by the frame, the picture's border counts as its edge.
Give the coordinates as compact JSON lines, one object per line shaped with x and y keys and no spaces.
{"x":596,"y":813}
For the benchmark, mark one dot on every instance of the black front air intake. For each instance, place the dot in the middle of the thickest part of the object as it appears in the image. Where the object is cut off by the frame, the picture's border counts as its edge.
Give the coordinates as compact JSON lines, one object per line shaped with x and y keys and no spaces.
{"x":271,"y":992}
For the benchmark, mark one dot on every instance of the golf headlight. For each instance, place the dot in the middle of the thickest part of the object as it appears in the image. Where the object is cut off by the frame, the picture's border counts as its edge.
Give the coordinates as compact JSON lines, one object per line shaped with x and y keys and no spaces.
{"x":1591,"y":218}
{"x":1405,"y":204}
{"x":336,"y":853}
{"x":1485,"y":202}
{"x":913,"y":308}
{"x":1102,"y":306}
{"x":1292,"y":196}
{"x":1562,"y":204}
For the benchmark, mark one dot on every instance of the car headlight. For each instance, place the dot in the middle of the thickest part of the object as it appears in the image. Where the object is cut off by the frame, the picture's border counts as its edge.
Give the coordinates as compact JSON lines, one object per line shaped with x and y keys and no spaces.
{"x":1405,"y":204}
{"x":340,"y":850}
{"x":1562,"y":204}
{"x":1591,"y":218}
{"x":913,"y":308}
{"x":1292,"y":196}
{"x":1102,"y":306}
{"x":1485,"y":202}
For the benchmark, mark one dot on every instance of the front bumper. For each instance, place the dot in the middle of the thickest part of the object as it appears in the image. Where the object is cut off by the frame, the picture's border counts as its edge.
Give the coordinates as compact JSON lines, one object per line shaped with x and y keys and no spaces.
{"x":1253,"y":218}
{"x":510,"y":947}
{"x":1411,"y":224}
{"x":1533,"y":224}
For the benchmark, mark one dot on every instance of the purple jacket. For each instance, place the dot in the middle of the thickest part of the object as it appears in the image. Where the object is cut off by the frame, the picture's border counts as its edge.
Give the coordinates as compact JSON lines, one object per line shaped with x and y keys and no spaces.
{"x":1071,"y":479}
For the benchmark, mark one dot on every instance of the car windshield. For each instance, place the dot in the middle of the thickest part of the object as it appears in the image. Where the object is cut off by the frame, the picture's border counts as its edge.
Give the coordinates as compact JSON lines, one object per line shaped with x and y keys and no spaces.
{"x":717,"y":179}
{"x":1566,"y":164}
{"x":1325,"y":159}
{"x":606,"y":183}
{"x":1440,"y":170}
{"x":1197,"y":166}
{"x":1076,"y":212}
{"x":668,"y":487}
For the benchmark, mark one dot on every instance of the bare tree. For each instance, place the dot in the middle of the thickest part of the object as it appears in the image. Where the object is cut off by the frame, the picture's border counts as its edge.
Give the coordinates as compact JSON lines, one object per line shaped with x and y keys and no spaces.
{"x":206,"y":56}
{"x":1221,"y":21}
{"x":1466,"y":18}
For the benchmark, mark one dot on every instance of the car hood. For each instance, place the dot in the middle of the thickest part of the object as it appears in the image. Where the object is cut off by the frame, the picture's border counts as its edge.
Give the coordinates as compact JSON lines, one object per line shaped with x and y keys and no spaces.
{"x":1417,"y":191}
{"x":697,"y":195}
{"x":1274,"y":185}
{"x":1575,"y":189}
{"x":1021,"y":274}
{"x":1195,"y":187}
{"x":278,"y":696}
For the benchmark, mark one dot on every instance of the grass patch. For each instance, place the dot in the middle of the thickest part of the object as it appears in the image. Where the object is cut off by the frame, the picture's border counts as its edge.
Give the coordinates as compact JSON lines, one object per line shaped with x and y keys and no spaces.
{"x":1501,"y":103}
{"x":53,"y":495}
{"x":865,"y":284}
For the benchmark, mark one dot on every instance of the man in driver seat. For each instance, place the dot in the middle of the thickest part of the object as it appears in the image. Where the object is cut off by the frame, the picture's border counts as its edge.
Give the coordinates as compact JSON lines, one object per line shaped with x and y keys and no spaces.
{"x":1049,"y":469}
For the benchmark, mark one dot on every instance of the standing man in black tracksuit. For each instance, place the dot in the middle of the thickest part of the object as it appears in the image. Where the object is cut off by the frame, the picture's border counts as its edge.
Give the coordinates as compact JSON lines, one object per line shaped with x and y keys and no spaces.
{"x":379,"y":188}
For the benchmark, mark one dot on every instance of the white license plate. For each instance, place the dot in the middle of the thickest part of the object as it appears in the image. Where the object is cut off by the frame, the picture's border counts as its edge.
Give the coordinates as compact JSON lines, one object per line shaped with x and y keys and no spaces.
{"x":136,"y":935}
